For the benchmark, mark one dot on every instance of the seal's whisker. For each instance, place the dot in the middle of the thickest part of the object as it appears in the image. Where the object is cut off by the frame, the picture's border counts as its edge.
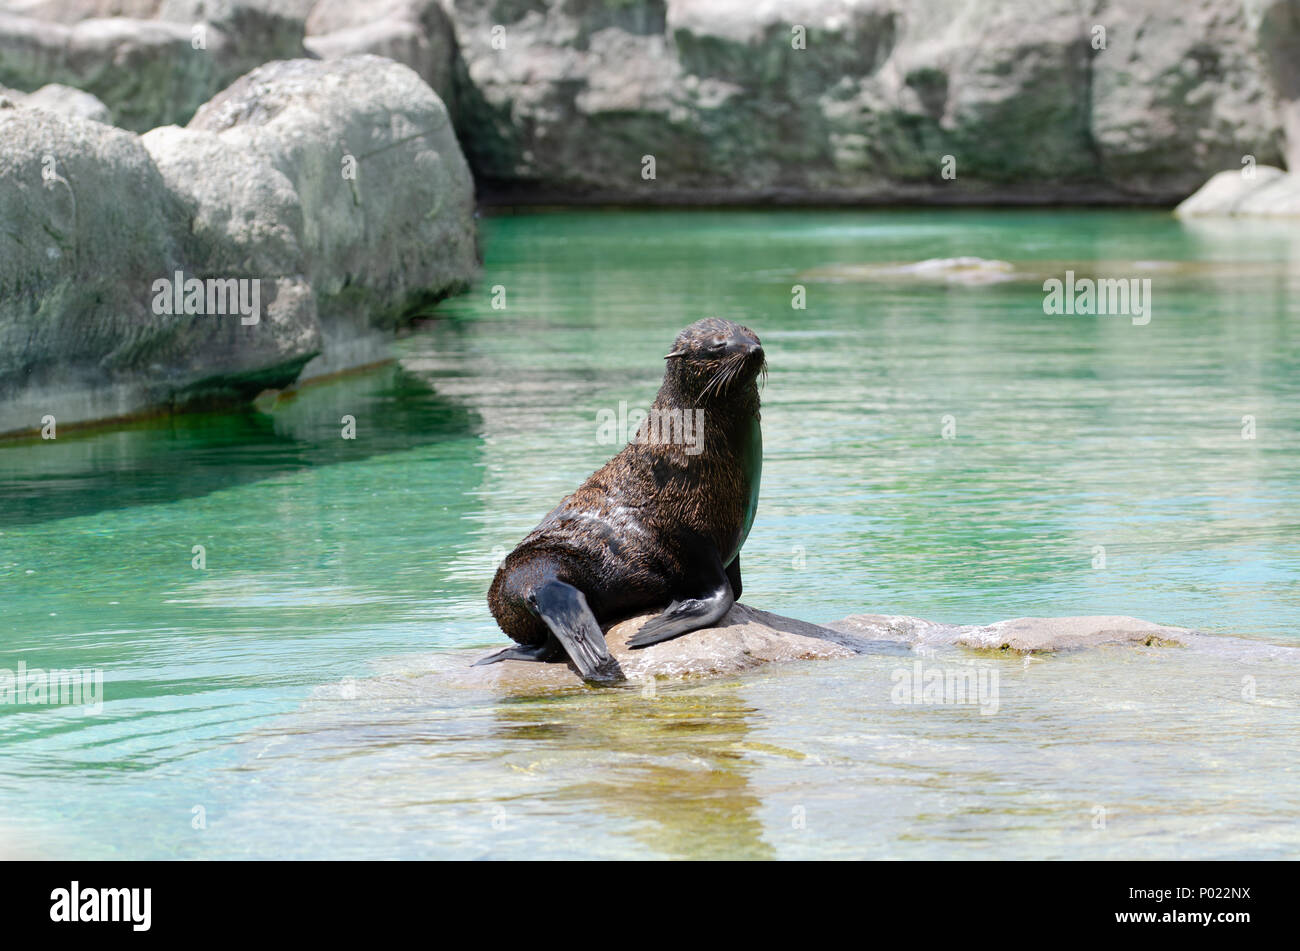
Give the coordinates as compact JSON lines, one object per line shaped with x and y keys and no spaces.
{"x":718,"y":382}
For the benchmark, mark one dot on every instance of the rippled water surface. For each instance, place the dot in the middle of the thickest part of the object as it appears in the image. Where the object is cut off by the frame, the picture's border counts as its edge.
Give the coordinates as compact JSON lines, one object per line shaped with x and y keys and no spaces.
{"x":291,"y":698}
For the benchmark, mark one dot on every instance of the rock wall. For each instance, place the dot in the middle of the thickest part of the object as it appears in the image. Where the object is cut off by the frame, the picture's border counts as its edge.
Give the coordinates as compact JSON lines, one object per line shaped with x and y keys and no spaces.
{"x":952,"y":101}
{"x":1248,"y":188}
{"x":151,"y":62}
{"x":862,"y":100}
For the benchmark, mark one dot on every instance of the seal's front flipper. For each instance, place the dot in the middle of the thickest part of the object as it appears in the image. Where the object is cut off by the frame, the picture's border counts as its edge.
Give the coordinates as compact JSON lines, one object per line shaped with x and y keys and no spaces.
{"x":682,"y":617}
{"x":536,"y":652}
{"x":564,"y":609}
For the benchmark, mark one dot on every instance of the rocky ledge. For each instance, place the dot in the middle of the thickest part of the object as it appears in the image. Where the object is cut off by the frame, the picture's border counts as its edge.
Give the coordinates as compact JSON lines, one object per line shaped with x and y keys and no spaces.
{"x":749,"y":638}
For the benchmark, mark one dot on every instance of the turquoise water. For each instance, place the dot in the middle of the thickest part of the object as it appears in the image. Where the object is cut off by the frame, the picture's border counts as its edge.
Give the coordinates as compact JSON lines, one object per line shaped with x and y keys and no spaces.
{"x":288,"y":699}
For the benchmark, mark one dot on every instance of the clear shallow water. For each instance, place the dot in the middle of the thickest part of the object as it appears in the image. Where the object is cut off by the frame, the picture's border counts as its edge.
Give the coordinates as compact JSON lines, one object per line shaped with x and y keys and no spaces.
{"x":293,"y":688}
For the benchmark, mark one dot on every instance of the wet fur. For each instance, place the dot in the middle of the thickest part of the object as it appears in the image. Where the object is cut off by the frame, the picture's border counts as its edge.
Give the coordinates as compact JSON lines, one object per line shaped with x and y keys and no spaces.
{"x":632,"y":536}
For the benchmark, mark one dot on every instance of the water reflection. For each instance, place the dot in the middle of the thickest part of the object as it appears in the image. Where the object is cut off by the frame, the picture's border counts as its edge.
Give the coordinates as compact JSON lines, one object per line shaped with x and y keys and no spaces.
{"x":670,"y":768}
{"x":163,"y":460}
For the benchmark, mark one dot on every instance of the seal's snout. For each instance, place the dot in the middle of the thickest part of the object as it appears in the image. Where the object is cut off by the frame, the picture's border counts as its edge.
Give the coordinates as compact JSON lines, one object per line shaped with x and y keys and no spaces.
{"x":744,"y":341}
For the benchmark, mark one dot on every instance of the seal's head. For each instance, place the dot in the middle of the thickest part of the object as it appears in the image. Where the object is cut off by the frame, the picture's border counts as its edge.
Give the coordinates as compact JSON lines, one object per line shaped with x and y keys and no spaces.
{"x":714,"y":359}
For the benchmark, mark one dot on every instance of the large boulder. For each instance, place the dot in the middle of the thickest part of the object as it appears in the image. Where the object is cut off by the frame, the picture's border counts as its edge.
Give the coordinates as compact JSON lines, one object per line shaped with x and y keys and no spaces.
{"x":1261,"y":39}
{"x":387,"y":198}
{"x":150,"y":63}
{"x":332,"y":197}
{"x":244,"y":222}
{"x":90,"y":227}
{"x":1027,"y":97}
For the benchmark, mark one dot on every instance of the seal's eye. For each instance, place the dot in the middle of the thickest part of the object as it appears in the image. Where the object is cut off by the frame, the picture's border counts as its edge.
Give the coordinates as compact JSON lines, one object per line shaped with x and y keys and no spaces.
{"x":717,"y":344}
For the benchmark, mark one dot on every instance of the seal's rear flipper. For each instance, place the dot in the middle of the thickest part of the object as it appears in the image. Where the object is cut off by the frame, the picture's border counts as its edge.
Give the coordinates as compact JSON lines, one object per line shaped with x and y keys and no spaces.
{"x":536,"y":652}
{"x":682,"y":617}
{"x":564,"y":609}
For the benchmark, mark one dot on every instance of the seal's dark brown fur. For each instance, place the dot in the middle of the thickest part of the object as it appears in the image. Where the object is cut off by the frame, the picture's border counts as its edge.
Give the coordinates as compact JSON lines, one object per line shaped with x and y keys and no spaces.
{"x":652,"y":526}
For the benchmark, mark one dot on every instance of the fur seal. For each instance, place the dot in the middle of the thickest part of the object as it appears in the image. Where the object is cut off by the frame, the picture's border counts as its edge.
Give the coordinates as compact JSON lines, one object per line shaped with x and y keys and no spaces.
{"x":658,"y":527}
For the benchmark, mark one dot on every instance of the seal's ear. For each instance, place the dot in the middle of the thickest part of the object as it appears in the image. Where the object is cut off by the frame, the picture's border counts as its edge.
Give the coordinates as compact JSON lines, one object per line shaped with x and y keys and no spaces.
{"x":679,"y":352}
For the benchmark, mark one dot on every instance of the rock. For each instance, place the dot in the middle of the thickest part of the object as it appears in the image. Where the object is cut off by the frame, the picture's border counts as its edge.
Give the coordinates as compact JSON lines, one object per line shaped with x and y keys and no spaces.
{"x":1029,"y":635}
{"x":89,"y":227}
{"x":387,"y":198}
{"x":414,"y":32}
{"x":245,"y":222}
{"x":253,"y":199}
{"x":1277,"y":31}
{"x":974,"y":271}
{"x":1270,"y":193}
{"x":750,"y":638}
{"x":566,"y":100}
{"x":1258,"y":45}
{"x":747,"y":638}
{"x":64,"y":100}
{"x":1180,"y":90}
{"x":1026,"y":635}
{"x":147,"y":72}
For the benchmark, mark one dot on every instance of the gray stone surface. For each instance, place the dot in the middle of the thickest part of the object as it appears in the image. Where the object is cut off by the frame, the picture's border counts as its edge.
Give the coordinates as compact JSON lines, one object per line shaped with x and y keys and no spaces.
{"x":149,"y":63}
{"x":564,"y":99}
{"x":415,"y":32}
{"x":750,"y":638}
{"x":89,"y":224}
{"x":64,"y":100}
{"x":1269,"y":193}
{"x":1026,"y":635}
{"x":91,"y":216}
{"x":389,"y":242}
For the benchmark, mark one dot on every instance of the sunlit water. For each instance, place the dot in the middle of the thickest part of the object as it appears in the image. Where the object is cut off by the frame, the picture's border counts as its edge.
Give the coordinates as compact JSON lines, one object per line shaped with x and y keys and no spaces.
{"x":290,"y":698}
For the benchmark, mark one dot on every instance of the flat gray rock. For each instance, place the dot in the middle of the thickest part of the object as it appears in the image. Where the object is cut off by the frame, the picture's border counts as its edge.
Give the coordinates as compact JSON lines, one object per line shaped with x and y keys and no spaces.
{"x":749,"y":638}
{"x":1026,"y":635}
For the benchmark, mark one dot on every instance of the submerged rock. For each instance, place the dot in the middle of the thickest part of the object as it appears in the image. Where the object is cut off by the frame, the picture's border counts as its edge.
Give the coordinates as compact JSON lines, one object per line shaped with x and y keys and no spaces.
{"x":750,"y":638}
{"x":1025,"y":635}
{"x":958,"y":270}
